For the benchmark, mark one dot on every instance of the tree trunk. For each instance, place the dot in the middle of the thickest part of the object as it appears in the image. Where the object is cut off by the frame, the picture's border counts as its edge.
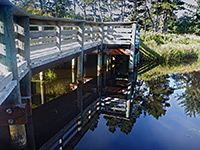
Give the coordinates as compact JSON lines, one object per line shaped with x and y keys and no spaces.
{"x":157,"y":21}
{"x":165,"y":26}
{"x":94,"y":11}
{"x":74,"y":9}
{"x":56,"y":8}
{"x":121,"y":14}
{"x":135,"y":10}
{"x":110,"y":9}
{"x":41,"y":4}
{"x":124,"y":7}
{"x":145,"y":16}
{"x":150,"y":18}
{"x":84,"y":11}
{"x":101,"y":17}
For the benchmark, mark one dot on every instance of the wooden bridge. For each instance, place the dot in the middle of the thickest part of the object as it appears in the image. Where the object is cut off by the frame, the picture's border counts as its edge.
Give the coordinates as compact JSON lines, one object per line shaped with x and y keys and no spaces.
{"x":31,"y":43}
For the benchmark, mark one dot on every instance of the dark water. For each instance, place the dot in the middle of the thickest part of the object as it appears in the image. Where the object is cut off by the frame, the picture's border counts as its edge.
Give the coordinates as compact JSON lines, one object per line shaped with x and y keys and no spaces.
{"x":164,"y":114}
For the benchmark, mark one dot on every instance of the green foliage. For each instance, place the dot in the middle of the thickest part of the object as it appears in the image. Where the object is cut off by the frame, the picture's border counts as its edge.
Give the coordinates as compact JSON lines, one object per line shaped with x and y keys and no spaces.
{"x":50,"y":75}
{"x":171,"y":47}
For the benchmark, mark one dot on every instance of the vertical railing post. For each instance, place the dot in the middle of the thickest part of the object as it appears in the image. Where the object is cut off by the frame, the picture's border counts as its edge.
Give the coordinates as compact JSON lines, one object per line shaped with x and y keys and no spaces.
{"x":99,"y":61}
{"x":84,"y":68}
{"x":17,"y":132}
{"x":102,"y":36}
{"x":131,"y":69}
{"x":41,"y":76}
{"x":91,"y":34}
{"x":73,"y":72}
{"x":81,"y":32}
{"x":58,"y":36}
{"x":40,"y":28}
{"x":26,"y":81}
{"x":105,"y":34}
{"x":132,"y":51}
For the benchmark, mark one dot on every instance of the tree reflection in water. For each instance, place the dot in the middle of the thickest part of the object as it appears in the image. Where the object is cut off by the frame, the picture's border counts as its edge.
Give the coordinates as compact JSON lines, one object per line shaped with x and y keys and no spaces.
{"x":124,"y":125}
{"x":190,"y":98}
{"x":152,"y":96}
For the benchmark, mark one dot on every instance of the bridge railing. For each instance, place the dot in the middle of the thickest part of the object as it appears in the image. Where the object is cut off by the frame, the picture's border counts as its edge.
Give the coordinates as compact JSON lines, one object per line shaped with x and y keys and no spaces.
{"x":118,"y":33}
{"x":38,"y":40}
{"x":55,"y":37}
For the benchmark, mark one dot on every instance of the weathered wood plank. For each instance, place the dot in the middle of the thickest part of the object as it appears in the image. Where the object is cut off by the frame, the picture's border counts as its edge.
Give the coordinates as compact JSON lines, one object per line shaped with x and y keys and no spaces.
{"x":23,"y":73}
{"x":64,"y":42}
{"x":7,"y":91}
{"x":95,"y":30}
{"x":42,"y":46}
{"x":117,"y":42}
{"x":119,"y":36}
{"x":2,"y":49}
{"x":4,"y":68}
{"x":68,"y":32}
{"x":69,"y":36}
{"x":43,"y":58}
{"x":43,"y":52}
{"x":87,"y":38}
{"x":22,"y":66}
{"x":43,"y":39}
{"x":119,"y":30}
{"x":37,"y":34}
{"x":71,"y":47}
{"x":18,"y":29}
{"x":5,"y":79}
{"x":43,"y":62}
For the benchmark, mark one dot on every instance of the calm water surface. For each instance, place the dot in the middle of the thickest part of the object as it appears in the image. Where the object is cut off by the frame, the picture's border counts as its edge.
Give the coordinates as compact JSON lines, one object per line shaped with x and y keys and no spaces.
{"x":164,"y":116}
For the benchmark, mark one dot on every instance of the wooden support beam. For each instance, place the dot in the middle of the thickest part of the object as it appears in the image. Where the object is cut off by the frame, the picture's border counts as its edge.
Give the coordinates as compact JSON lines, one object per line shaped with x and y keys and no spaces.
{"x":99,"y":64}
{"x":80,"y":58}
{"x":129,"y":97}
{"x":84,"y":67}
{"x":102,"y":36}
{"x":132,"y":51}
{"x":6,"y":18}
{"x":42,"y":87}
{"x":17,"y":132}
{"x":73,"y":70}
{"x":81,"y":32}
{"x":26,"y":81}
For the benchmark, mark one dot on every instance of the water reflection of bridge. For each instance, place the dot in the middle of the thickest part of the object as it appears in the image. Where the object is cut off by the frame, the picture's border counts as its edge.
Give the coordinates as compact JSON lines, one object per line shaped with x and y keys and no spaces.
{"x":81,"y":111}
{"x":63,"y":121}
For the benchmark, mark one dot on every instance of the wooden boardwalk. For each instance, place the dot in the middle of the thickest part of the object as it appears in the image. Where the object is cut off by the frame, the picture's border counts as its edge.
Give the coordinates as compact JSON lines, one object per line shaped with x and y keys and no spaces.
{"x":38,"y":41}
{"x":29,"y":43}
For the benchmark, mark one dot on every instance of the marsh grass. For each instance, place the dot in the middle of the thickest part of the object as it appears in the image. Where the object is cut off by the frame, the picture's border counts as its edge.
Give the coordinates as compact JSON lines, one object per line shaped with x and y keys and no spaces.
{"x":171,"y":47}
{"x":171,"y":68}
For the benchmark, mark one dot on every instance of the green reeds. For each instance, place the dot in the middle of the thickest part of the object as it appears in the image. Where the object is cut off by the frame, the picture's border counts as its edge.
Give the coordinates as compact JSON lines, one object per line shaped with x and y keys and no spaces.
{"x":169,"y":47}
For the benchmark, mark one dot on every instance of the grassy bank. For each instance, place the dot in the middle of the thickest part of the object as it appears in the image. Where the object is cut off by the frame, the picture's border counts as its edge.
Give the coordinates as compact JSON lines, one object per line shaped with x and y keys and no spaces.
{"x":155,"y":70}
{"x":170,"y":47}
